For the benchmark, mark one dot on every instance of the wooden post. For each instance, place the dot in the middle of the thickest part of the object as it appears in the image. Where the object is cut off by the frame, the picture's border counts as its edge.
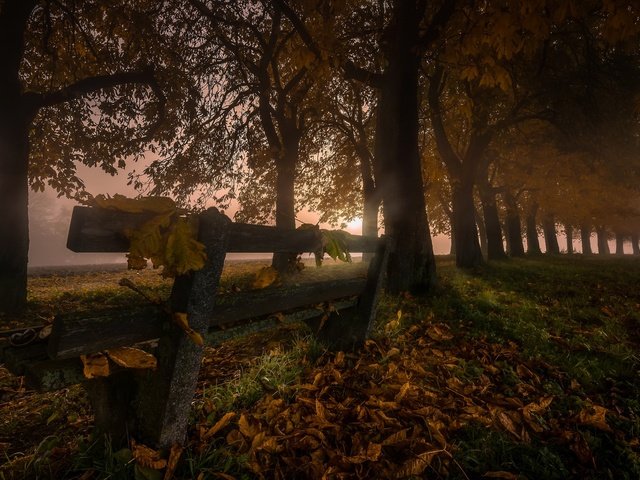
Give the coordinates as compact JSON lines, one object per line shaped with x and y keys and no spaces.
{"x":344,"y":331}
{"x":165,"y":395}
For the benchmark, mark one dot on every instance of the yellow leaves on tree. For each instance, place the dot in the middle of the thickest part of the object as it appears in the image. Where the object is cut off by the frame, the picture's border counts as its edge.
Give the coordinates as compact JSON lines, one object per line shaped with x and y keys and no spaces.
{"x":167,"y":238}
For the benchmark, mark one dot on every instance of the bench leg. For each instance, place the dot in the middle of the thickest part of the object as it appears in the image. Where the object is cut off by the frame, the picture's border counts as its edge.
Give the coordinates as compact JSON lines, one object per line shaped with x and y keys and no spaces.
{"x":349,"y":329}
{"x":111,"y":399}
{"x":165,"y":395}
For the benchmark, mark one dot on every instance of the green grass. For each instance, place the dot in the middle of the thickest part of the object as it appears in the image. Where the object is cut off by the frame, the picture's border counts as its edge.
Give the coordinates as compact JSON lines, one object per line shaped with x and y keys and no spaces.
{"x":580,"y":314}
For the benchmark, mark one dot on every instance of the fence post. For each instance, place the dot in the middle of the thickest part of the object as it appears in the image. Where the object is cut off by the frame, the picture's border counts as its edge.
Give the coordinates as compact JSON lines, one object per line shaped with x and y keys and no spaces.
{"x":165,"y":395}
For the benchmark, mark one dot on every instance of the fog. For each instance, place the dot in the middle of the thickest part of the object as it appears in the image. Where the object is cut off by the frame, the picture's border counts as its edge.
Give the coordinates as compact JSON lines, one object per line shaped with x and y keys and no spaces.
{"x":49,"y":219}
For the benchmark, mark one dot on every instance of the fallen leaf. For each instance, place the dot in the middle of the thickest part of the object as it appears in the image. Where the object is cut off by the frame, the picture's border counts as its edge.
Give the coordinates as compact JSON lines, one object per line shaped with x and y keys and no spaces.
{"x":246,"y":427}
{"x":439,"y":333}
{"x":415,"y":465}
{"x":501,"y":474}
{"x":266,"y":276}
{"x":147,"y":457}
{"x":594,"y":416}
{"x":95,"y":365}
{"x":219,"y":425}
{"x":129,"y":357}
{"x":172,"y":463}
{"x":403,"y":392}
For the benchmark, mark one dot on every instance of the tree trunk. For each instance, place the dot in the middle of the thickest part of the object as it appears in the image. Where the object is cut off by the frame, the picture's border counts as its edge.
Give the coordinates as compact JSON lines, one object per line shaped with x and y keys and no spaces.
{"x":585,"y":239}
{"x":370,"y":196}
{"x":482,"y":232}
{"x":619,"y":244}
{"x":452,"y":237}
{"x":495,"y":247}
{"x":514,"y":227}
{"x":15,"y":121}
{"x":635,"y":244}
{"x":411,"y":262}
{"x":550,"y":236}
{"x":533,"y":242}
{"x":468,"y":253}
{"x":568,"y":230}
{"x":603,"y":243}
{"x":285,"y":196}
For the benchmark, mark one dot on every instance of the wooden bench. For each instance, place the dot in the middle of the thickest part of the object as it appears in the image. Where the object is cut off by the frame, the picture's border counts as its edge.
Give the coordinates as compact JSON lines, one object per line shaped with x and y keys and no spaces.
{"x":154,"y":405}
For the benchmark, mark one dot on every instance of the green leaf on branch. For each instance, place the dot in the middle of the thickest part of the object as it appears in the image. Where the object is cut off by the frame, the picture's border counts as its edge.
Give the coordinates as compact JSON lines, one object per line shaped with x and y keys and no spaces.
{"x":334,"y":243}
{"x":168,"y":238}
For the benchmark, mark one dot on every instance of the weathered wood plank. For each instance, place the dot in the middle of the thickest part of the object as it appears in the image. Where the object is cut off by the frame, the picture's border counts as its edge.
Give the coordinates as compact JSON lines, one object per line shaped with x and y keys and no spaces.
{"x":220,"y":334}
{"x":77,"y":334}
{"x":81,"y":333}
{"x":99,"y":230}
{"x":232,"y":308}
{"x":39,"y":371}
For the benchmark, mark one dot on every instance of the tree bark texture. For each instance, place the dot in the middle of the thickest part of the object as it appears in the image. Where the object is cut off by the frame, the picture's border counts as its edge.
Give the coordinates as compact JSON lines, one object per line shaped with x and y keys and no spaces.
{"x":550,"y":236}
{"x":568,"y":230}
{"x":603,"y":243}
{"x":585,"y":239}
{"x":285,"y":192}
{"x":635,"y":244}
{"x":468,"y":253}
{"x":495,"y":247}
{"x":514,"y":227}
{"x":411,"y":263}
{"x":533,"y":242}
{"x":482,"y":232}
{"x":15,"y":121}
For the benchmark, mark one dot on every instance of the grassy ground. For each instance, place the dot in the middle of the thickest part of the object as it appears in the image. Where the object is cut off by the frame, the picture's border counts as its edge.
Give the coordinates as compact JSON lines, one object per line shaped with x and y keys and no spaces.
{"x":521,"y":369}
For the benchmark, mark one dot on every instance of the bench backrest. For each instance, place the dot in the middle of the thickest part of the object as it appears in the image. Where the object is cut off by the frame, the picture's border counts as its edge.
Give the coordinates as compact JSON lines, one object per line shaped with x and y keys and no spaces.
{"x":164,"y":396}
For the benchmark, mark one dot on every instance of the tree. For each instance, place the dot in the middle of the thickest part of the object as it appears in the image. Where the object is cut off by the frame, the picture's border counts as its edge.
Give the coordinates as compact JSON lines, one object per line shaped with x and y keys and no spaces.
{"x":59,"y":62}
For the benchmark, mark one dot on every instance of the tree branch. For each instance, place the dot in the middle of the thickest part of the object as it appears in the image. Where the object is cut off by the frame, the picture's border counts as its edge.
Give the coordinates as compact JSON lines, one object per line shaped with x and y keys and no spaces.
{"x":447,"y":153}
{"x":438,"y":22}
{"x":94,"y":84}
{"x":353,"y":72}
{"x":300,"y":27}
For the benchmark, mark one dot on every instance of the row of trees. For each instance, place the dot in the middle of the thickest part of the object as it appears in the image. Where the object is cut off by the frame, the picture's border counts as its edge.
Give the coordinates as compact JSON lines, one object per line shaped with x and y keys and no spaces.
{"x":479,"y":112}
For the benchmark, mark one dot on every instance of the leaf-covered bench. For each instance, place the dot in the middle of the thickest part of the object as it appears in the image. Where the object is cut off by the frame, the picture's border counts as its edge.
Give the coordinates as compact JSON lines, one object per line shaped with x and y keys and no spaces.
{"x":154,"y":404}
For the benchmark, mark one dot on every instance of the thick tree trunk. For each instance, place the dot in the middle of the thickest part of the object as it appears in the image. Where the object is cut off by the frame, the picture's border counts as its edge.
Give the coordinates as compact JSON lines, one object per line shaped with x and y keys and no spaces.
{"x":603,"y":241}
{"x":568,"y":230}
{"x":15,"y":121}
{"x":495,"y":247}
{"x":635,"y":244}
{"x":468,"y":253}
{"x":550,"y":236}
{"x":514,"y":227}
{"x":411,"y":263}
{"x":619,"y":244}
{"x":585,"y":239}
{"x":285,"y":196}
{"x":533,"y":242}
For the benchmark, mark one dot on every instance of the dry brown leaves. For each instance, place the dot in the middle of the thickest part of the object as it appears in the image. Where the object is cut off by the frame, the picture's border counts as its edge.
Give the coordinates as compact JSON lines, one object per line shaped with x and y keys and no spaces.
{"x":389,"y":411}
